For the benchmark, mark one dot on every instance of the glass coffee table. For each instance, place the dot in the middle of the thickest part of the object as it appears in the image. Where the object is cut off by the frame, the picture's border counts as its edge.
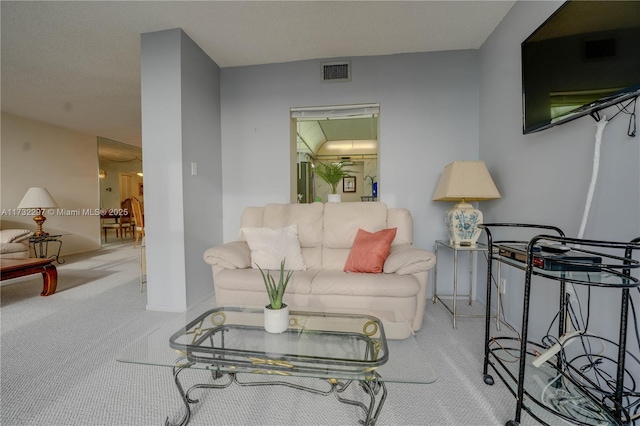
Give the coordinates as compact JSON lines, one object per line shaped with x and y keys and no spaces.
{"x":340,"y":349}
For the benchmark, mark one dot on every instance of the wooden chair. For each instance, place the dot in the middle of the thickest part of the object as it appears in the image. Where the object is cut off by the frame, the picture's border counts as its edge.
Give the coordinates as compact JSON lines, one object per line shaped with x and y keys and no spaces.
{"x":116,"y":226}
{"x":138,"y":218}
{"x":126,"y":219}
{"x":123,"y":222}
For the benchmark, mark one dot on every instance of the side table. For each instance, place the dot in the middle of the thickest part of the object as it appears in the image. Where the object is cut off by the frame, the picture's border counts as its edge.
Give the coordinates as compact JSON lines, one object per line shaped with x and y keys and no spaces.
{"x":40,"y":246}
{"x":479,"y":247}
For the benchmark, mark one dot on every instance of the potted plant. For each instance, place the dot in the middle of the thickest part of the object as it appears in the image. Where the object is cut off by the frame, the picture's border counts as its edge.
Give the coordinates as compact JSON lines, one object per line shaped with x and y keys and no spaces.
{"x":332,"y":173}
{"x":276,"y":313}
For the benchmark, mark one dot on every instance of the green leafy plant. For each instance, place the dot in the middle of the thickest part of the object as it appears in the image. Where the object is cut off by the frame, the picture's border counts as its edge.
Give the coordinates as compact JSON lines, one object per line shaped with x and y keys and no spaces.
{"x":332,"y":173}
{"x":276,"y":291}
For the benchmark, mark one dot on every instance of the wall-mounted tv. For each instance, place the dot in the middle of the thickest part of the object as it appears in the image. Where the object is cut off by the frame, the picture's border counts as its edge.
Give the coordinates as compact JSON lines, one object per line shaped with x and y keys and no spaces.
{"x":584,"y":58}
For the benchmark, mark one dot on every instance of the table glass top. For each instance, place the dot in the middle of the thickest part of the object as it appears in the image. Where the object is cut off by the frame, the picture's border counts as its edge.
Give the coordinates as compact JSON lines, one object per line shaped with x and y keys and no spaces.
{"x":322,"y":345}
{"x":477,"y":247}
{"x":576,"y":266}
{"x":36,"y":238}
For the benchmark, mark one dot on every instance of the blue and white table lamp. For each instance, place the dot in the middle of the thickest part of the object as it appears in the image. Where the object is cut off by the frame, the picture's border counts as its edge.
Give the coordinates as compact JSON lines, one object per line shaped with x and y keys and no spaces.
{"x":464,"y":182}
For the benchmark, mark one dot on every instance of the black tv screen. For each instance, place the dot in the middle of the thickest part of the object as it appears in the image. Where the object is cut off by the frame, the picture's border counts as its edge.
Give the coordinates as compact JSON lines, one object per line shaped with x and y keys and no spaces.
{"x":584,"y":58}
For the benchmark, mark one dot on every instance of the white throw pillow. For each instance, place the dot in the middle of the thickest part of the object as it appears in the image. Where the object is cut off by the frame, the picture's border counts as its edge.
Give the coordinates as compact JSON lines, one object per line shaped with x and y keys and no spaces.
{"x":269,"y":246}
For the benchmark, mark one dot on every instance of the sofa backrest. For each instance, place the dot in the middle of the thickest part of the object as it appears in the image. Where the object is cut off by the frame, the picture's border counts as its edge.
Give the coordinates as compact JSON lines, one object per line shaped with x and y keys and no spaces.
{"x":341,"y":223}
{"x":401,"y":218}
{"x":308,"y":218}
{"x":326,"y":231}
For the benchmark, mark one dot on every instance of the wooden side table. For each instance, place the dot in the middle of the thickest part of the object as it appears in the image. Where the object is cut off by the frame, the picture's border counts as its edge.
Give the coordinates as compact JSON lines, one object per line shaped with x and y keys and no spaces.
{"x":479,"y":247}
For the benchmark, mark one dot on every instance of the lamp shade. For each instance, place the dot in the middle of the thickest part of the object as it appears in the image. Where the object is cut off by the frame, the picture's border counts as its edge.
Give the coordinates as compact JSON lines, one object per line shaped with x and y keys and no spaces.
{"x":465,"y":180}
{"x":37,"y":198}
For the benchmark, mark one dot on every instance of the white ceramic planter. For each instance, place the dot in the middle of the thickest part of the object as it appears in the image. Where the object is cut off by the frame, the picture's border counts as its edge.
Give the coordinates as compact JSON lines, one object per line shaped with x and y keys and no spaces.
{"x":276,"y":320}
{"x":334,"y":198}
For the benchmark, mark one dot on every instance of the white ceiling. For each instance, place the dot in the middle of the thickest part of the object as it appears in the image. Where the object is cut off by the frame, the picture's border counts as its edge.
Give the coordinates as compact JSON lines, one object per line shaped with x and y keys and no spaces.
{"x":76,"y":64}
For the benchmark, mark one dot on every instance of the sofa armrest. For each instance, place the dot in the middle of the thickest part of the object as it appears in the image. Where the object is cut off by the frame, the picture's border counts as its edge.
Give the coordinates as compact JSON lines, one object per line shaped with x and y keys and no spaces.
{"x":14,"y":235}
{"x":233,"y":255}
{"x":408,"y":259}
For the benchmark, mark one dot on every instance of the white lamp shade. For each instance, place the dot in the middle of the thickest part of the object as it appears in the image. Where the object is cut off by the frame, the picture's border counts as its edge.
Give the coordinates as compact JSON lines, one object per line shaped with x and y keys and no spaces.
{"x":37,"y":198}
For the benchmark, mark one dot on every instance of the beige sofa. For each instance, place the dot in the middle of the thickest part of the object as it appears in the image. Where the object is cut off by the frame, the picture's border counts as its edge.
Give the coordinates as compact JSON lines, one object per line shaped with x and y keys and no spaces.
{"x":14,"y":243}
{"x":326,"y":233}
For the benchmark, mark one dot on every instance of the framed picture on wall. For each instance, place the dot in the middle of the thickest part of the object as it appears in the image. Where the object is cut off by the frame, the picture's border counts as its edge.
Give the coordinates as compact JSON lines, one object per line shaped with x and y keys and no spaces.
{"x":349,"y":184}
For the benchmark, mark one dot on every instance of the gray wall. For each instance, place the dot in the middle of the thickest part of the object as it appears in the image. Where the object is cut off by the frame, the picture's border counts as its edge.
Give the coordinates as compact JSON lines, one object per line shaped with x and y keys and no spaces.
{"x":429,"y":117}
{"x":435,"y":108}
{"x":544,"y":177}
{"x":180,"y":125}
{"x":201,"y":143}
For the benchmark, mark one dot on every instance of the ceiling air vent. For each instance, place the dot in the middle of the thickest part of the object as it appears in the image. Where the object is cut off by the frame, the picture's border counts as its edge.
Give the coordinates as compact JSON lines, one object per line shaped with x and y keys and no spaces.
{"x":336,"y":71}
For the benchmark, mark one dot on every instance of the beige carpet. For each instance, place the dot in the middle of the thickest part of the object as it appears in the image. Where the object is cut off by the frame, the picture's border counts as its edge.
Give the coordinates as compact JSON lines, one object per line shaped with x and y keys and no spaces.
{"x":58,"y":363}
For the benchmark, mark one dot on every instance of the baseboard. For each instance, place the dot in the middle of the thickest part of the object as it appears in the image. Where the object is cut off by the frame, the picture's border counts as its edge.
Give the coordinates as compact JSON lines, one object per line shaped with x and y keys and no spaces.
{"x":164,"y":308}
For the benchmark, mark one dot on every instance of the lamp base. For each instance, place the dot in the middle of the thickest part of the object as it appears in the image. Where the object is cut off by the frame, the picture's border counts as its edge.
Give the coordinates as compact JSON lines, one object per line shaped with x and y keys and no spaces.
{"x":39,"y":220}
{"x":462,"y":224}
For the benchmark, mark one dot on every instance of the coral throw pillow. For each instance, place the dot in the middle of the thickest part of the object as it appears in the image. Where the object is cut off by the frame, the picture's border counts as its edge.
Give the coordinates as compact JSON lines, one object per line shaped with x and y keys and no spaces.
{"x":370,"y":250}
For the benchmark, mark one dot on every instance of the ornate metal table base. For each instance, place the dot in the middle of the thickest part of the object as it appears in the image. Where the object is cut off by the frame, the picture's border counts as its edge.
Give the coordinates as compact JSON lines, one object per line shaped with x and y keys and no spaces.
{"x":40,"y":247}
{"x":370,"y":387}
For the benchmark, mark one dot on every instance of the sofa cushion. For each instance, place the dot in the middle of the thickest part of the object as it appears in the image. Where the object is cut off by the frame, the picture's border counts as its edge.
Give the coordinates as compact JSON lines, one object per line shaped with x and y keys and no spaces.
{"x":308,"y":218}
{"x":251,"y":280}
{"x":342,"y":221}
{"x":401,"y":218}
{"x":348,"y":284}
{"x":252,"y":216}
{"x":270,"y":246}
{"x":369,"y":251}
{"x":341,"y":224}
{"x":9,"y":248}
{"x":14,"y":235}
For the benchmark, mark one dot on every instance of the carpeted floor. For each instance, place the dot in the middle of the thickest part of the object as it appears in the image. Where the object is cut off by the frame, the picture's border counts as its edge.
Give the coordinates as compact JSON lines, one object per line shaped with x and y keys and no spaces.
{"x":58,"y":363}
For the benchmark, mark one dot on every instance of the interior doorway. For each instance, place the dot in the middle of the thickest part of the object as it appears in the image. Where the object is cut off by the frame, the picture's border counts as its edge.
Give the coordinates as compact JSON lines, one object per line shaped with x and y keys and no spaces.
{"x":121,"y":177}
{"x":347,"y":134}
{"x":128,"y":186}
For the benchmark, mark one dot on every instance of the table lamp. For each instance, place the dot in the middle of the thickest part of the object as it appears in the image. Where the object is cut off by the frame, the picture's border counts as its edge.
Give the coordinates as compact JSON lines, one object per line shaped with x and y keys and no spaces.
{"x":38,"y":199}
{"x":464,"y":181}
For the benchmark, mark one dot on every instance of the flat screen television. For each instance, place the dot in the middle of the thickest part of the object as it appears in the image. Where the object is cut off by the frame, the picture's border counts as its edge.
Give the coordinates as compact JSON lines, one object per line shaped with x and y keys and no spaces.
{"x":582,"y":59}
